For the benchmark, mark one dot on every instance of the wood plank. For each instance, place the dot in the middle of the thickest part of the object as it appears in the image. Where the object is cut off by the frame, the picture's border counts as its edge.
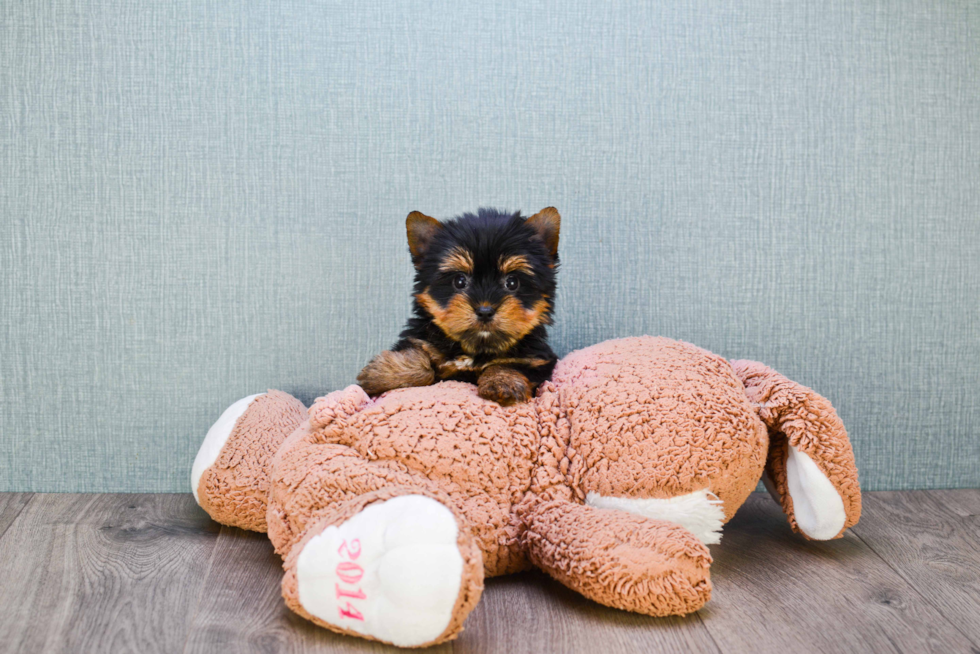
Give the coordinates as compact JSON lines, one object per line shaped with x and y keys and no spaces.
{"x":152,"y":573}
{"x":776,"y":592}
{"x":242,"y":610}
{"x":532,"y":613}
{"x":11,"y":504}
{"x":103,"y":573}
{"x":931,"y":539}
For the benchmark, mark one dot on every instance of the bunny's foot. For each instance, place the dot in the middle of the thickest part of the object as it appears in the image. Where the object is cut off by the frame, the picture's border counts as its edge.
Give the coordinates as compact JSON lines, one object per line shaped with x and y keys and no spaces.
{"x":230,"y":475}
{"x":402,"y":570}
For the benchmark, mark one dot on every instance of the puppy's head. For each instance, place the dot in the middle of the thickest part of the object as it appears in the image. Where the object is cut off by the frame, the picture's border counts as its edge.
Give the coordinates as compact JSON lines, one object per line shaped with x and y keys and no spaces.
{"x":486,"y":279}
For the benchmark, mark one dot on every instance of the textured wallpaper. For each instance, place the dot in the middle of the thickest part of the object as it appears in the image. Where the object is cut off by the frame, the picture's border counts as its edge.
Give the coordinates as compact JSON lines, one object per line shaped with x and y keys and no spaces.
{"x":202,"y":200}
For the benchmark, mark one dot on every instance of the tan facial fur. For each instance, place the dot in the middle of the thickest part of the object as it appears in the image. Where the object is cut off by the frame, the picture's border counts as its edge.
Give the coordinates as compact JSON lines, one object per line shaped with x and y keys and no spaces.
{"x":455,"y":319}
{"x":516,"y":263}
{"x":516,"y":322}
{"x":511,"y":323}
{"x":457,"y":260}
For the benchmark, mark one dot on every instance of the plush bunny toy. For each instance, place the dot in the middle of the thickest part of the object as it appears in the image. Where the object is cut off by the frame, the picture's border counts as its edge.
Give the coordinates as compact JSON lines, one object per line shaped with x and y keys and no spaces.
{"x":389,"y":513}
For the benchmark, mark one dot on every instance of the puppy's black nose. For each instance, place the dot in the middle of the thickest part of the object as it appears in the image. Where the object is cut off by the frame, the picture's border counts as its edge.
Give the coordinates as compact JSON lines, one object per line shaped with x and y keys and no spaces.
{"x":484,"y":312}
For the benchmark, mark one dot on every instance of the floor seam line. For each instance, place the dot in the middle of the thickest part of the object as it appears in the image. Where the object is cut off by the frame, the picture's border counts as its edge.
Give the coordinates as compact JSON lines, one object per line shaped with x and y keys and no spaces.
{"x":200,"y":593}
{"x":909,"y":583}
{"x":708,"y":631}
{"x":20,"y":512}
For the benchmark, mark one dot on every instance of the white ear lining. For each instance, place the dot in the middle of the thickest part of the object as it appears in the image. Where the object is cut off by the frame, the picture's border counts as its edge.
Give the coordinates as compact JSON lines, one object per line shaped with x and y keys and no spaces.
{"x":817,"y":506}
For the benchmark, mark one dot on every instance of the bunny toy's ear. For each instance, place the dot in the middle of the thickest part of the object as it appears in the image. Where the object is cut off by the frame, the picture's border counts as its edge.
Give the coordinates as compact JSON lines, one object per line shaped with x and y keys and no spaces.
{"x":810,"y":469}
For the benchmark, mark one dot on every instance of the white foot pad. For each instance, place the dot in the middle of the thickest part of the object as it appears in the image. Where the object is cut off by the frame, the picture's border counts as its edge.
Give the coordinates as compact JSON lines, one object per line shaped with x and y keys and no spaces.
{"x":216,"y":439}
{"x":392,"y":572}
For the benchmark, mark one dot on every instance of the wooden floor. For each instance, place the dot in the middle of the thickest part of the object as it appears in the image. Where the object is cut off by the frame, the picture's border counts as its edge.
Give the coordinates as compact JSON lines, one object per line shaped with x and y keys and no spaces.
{"x":152,"y":573}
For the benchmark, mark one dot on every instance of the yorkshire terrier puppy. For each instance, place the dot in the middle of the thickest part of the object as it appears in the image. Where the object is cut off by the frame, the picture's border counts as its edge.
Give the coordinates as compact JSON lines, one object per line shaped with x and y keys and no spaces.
{"x":484,"y":291}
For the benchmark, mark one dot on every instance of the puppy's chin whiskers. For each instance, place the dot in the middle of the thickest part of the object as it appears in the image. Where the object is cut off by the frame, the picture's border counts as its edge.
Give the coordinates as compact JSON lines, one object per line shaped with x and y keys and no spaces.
{"x":484,"y":341}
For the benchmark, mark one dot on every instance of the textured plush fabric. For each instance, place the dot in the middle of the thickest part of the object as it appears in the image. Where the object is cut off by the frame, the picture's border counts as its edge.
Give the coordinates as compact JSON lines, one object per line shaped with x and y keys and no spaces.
{"x":471,"y":586}
{"x":235,"y":488}
{"x":619,"y":559}
{"x":632,"y":418}
{"x":444,"y":439}
{"x":200,"y":201}
{"x":794,"y":414}
{"x":678,"y":410}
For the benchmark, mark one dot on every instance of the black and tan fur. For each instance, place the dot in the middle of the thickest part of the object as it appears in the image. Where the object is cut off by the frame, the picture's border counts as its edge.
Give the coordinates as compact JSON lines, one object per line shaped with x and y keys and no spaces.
{"x":484,"y":293}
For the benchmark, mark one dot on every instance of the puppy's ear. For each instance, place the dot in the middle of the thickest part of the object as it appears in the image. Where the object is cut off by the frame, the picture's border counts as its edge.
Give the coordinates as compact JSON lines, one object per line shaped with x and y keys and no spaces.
{"x":421,"y":229}
{"x":546,"y":223}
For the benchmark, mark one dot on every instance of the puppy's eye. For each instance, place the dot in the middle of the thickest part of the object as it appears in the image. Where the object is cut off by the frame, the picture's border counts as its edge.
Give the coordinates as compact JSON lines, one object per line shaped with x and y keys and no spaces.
{"x":460,"y":282}
{"x":512,"y":283}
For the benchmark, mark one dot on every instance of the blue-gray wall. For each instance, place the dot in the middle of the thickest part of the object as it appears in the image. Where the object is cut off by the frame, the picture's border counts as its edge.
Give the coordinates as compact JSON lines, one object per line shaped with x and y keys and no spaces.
{"x":201,"y":200}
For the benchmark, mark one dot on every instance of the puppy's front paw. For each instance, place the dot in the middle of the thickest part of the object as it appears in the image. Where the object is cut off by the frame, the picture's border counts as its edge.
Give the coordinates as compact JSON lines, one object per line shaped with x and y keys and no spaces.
{"x":390,"y":370}
{"x":504,"y":386}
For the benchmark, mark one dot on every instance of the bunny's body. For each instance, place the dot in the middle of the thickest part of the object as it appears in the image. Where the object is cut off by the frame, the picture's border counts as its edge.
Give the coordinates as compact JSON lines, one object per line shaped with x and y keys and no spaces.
{"x":390,"y":512}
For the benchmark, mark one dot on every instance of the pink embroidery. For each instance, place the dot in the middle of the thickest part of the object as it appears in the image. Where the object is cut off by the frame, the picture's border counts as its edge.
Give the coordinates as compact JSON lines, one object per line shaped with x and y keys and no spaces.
{"x":351,"y":612}
{"x":350,"y":573}
{"x":358,"y":594}
{"x":353,"y":550}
